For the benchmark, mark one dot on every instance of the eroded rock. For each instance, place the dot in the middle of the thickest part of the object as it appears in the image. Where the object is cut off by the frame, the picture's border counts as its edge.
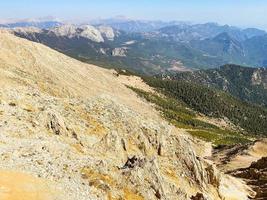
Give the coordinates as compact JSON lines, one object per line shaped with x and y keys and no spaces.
{"x":256,"y":176}
{"x":56,"y":124}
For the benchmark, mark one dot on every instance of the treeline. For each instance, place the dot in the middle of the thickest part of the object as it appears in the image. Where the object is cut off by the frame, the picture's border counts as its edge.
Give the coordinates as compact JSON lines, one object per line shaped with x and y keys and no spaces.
{"x":214,"y":103}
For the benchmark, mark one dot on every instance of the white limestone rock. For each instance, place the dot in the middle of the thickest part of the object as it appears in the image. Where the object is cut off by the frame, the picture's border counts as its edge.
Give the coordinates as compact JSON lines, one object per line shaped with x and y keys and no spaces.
{"x":91,"y":33}
{"x":120,"y":52}
{"x":65,"y":30}
{"x":107,"y":32}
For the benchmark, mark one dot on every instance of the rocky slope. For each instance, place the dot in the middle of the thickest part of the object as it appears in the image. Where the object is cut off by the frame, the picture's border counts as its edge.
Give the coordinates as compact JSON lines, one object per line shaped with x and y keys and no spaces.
{"x":256,"y":176}
{"x":93,"y":33}
{"x":239,"y":156}
{"x":248,"y":162}
{"x":74,"y":131}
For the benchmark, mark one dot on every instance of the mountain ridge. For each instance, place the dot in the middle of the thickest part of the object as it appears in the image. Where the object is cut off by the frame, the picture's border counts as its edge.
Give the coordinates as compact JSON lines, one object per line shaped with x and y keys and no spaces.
{"x":190,"y":47}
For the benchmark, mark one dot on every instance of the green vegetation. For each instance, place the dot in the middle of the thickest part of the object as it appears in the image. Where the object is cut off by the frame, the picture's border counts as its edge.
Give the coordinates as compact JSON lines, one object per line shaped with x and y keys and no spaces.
{"x":177,"y":113}
{"x":235,"y":79}
{"x":219,"y":136}
{"x":214,"y":103}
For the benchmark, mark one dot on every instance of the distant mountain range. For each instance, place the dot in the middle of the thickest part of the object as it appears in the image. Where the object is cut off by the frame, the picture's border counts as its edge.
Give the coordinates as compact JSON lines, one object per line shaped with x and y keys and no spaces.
{"x":152,"y":47}
{"x":130,"y":26}
{"x":45,"y":23}
{"x":187,"y":32}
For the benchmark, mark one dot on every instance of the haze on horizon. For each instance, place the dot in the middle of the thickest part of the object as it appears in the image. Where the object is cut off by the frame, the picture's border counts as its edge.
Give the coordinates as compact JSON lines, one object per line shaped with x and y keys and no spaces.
{"x":242,"y":13}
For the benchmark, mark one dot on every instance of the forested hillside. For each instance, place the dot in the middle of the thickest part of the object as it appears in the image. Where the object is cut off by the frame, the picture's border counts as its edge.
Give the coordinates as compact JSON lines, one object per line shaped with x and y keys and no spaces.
{"x":248,"y":84}
{"x":215,"y":103}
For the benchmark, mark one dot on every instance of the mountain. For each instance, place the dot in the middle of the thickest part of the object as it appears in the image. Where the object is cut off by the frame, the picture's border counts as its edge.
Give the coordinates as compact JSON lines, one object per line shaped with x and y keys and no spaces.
{"x":132,"y":51}
{"x":256,"y":50}
{"x":70,"y":130}
{"x":179,"y":30}
{"x":250,"y":52}
{"x":95,"y":34}
{"x":131,"y":26}
{"x":108,"y":47}
{"x":225,"y":44}
{"x":44,"y":23}
{"x":187,"y":32}
{"x":182,"y":47}
{"x":253,"y":32}
{"x":248,"y":84}
{"x":222,"y":46}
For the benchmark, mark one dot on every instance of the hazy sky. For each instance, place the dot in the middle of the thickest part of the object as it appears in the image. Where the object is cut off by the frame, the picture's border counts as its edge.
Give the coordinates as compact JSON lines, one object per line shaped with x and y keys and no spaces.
{"x":235,"y":12}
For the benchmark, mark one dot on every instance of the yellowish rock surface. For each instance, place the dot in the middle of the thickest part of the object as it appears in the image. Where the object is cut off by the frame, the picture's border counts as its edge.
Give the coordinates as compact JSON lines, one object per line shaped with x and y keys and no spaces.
{"x":16,"y":185}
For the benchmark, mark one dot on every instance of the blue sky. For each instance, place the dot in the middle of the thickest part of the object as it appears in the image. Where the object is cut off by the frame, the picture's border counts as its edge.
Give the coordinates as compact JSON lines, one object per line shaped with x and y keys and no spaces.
{"x":235,"y":12}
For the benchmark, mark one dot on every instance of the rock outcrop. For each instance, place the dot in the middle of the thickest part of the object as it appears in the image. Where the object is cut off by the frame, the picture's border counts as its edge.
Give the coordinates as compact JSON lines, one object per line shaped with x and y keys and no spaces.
{"x":107,"y":32}
{"x":91,"y":33}
{"x":247,"y":162}
{"x":229,"y":158}
{"x":259,"y":77}
{"x":120,"y":51}
{"x":67,"y":30}
{"x":94,"y":33}
{"x":256,"y":176}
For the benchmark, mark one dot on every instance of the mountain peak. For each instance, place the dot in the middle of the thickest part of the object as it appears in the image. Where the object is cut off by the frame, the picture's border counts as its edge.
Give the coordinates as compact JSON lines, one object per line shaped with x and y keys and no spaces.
{"x":223,"y":37}
{"x":64,"y":30}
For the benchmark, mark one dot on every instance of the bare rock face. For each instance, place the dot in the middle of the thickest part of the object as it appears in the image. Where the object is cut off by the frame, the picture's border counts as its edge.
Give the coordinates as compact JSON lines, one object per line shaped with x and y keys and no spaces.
{"x":259,"y":77}
{"x":78,"y":127}
{"x":107,"y":32}
{"x":103,"y":51}
{"x":56,"y":124}
{"x":64,"y":30}
{"x":26,"y":30}
{"x":95,"y":34}
{"x":120,"y":52}
{"x":91,"y":33}
{"x":198,"y":196}
{"x":230,"y":158}
{"x":256,"y":176}
{"x":247,"y":162}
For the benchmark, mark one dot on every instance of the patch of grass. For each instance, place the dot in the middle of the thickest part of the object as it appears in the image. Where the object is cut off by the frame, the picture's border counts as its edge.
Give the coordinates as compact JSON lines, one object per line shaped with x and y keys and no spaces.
{"x":205,"y":135}
{"x":220,"y":137}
